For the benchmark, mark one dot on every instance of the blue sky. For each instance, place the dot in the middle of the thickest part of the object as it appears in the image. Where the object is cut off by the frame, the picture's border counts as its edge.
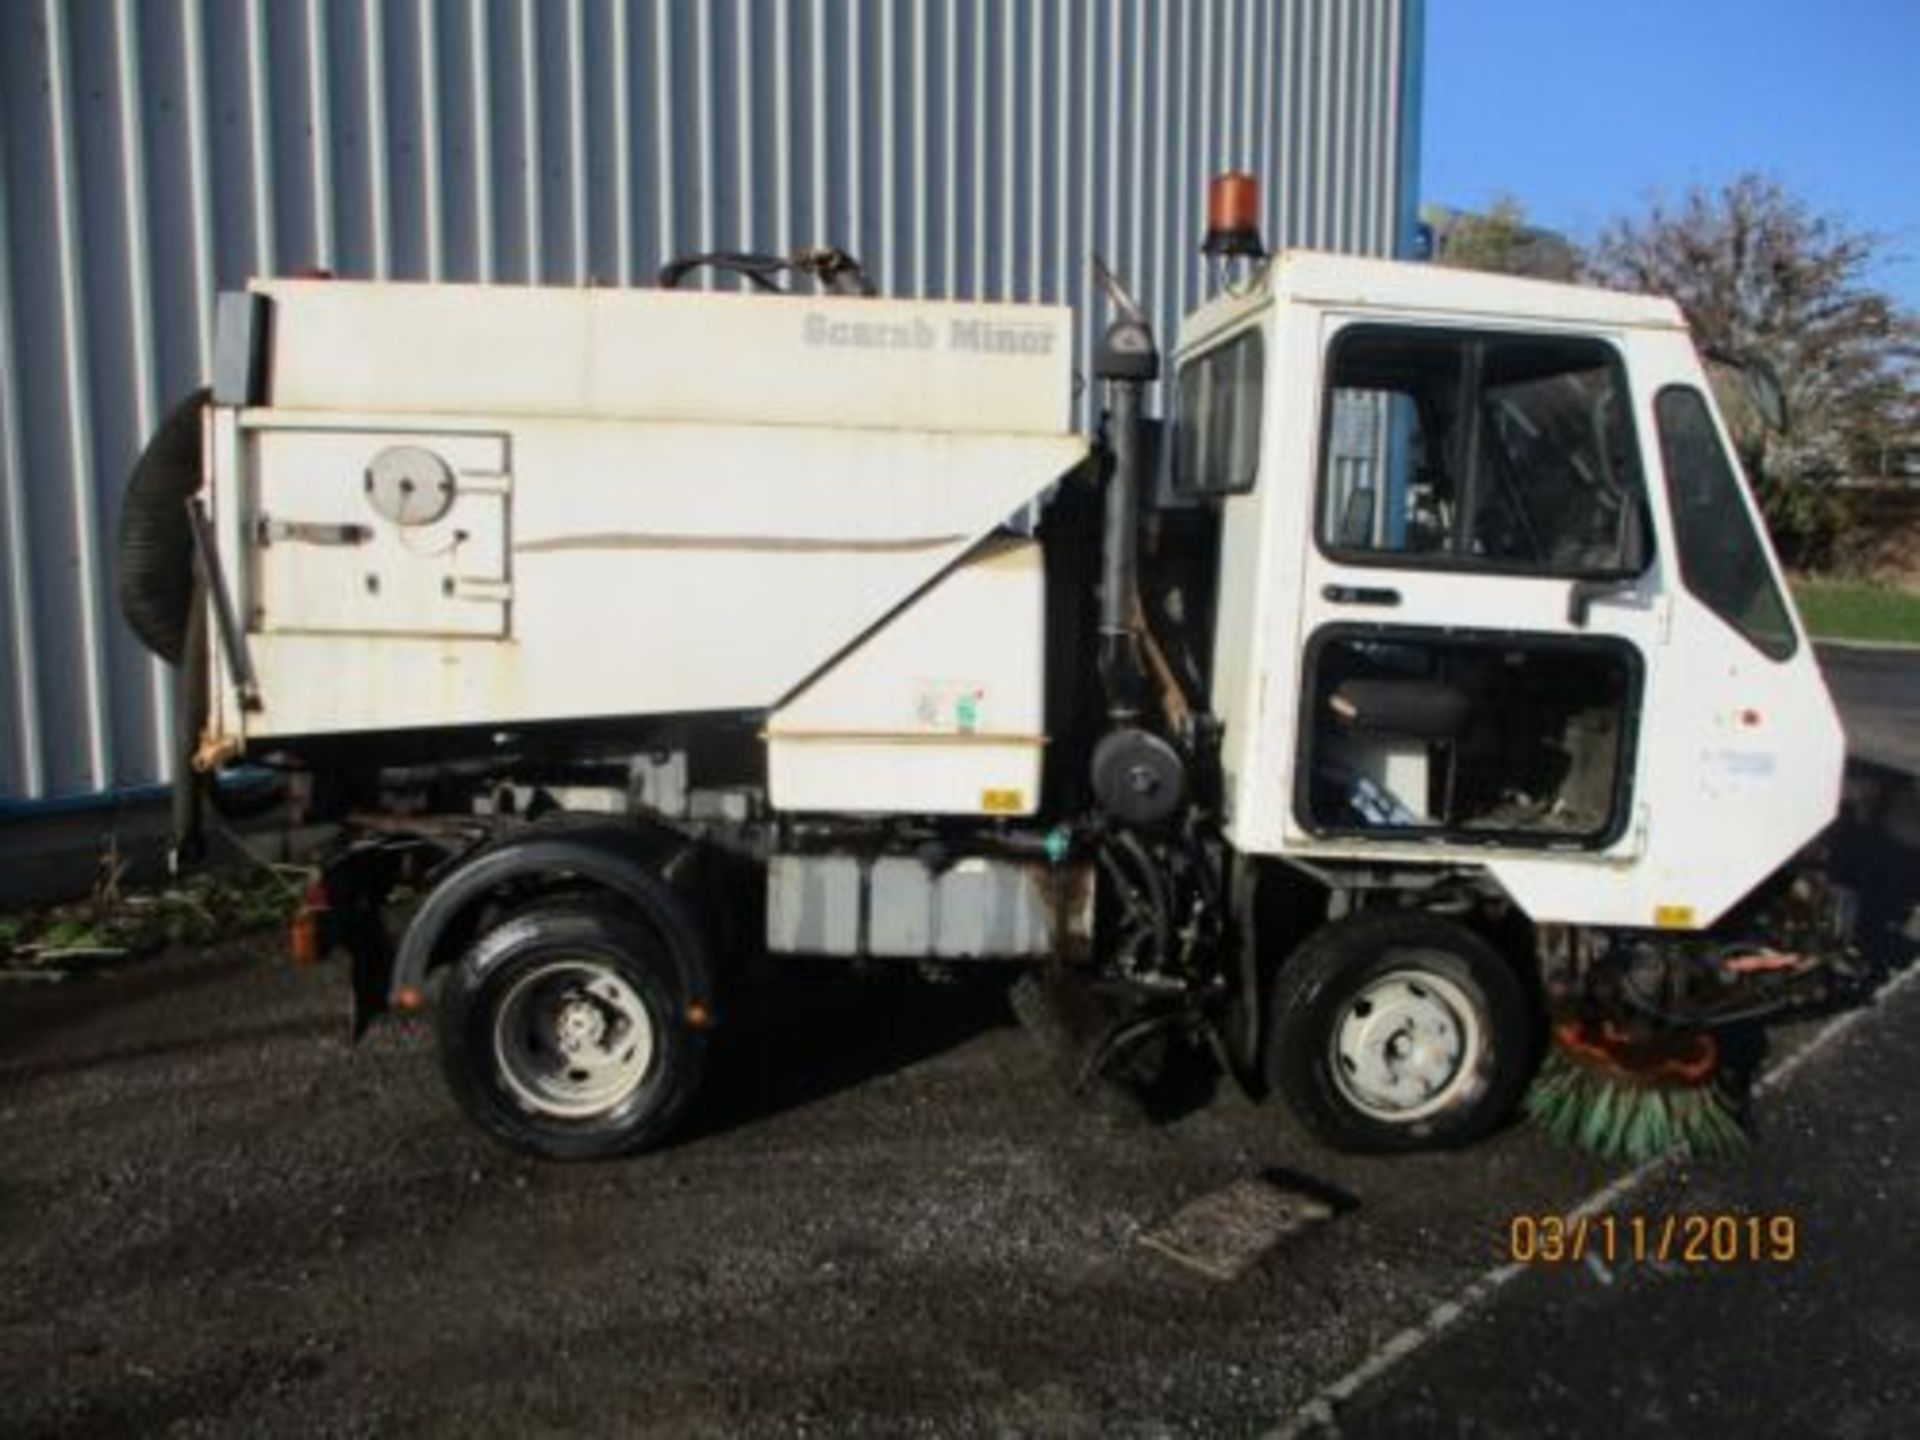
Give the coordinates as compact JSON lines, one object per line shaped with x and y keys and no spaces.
{"x":1583,"y":111}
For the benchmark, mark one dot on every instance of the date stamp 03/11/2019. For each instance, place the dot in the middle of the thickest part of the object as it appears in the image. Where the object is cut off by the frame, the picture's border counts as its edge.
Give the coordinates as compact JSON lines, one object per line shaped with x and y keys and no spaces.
{"x":1671,"y":1239}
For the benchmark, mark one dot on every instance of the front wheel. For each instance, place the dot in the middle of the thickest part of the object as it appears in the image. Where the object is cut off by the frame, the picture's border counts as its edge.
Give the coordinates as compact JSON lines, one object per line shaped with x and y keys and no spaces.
{"x":1399,"y":1031}
{"x":563,"y":1032}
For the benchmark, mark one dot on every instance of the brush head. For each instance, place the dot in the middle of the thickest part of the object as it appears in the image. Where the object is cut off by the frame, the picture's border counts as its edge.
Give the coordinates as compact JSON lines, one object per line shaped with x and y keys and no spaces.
{"x":1626,"y":1097}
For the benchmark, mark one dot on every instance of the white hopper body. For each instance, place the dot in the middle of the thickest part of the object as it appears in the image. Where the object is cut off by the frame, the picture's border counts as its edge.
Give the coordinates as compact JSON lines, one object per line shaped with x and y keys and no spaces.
{"x":618,"y":503}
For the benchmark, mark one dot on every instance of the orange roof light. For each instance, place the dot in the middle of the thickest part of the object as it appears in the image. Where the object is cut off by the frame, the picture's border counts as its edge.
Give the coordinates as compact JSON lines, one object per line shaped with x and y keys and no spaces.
{"x":1233,"y":216}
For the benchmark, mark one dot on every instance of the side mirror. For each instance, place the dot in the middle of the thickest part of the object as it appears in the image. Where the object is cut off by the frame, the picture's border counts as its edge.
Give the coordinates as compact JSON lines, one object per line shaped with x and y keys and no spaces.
{"x":1164,"y":490}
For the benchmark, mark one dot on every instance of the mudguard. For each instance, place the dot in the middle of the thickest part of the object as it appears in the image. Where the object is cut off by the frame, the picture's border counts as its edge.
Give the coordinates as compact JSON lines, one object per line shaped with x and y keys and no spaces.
{"x":620,"y":859}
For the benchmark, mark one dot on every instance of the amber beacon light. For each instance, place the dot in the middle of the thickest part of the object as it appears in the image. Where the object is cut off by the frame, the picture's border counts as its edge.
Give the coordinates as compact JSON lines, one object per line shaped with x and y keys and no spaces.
{"x":1233,"y":216}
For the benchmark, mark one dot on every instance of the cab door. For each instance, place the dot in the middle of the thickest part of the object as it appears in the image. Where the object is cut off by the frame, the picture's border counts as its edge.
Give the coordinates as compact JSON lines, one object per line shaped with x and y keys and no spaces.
{"x":1742,"y":750}
{"x":1480,"y":607}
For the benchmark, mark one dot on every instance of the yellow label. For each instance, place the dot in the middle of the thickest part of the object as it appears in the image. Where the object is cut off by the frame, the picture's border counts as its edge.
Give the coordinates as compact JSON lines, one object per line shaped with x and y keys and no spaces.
{"x":1673,"y":917}
{"x":1002,"y":802}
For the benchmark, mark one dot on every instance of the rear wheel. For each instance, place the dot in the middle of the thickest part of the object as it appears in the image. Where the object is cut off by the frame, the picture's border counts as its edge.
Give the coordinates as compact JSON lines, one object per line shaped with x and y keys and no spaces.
{"x":1399,"y":1031}
{"x":564,"y":1032}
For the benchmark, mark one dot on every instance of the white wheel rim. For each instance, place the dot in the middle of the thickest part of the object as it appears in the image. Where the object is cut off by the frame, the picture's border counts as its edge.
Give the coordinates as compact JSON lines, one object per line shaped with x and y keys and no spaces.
{"x":572,"y":1039}
{"x":1406,"y":1046}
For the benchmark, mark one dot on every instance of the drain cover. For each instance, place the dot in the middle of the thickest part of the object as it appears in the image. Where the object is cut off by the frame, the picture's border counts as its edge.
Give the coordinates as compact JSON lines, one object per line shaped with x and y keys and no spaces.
{"x":1222,"y":1233}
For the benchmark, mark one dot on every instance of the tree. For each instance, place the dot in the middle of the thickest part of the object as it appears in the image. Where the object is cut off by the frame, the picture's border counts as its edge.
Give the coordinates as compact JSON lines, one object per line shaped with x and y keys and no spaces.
{"x":1499,"y":238}
{"x":1762,"y":277}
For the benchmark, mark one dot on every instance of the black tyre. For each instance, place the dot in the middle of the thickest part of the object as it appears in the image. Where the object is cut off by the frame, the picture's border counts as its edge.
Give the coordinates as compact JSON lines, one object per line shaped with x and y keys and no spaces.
{"x":564,"y":1032}
{"x":1399,"y":1031}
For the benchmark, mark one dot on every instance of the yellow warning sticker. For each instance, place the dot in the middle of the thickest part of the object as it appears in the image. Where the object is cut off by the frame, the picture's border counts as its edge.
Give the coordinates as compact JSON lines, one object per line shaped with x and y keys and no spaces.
{"x":1673,"y":917}
{"x":1002,"y":802}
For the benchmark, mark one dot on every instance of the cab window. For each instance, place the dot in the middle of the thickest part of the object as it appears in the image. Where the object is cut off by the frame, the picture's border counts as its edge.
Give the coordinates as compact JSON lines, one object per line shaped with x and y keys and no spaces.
{"x":1480,"y":451}
{"x":1722,"y":559}
{"x":1217,"y":420}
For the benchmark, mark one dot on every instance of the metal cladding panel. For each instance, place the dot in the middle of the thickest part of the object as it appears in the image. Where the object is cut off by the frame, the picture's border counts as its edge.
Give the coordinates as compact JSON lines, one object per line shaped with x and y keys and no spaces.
{"x":154,"y":152}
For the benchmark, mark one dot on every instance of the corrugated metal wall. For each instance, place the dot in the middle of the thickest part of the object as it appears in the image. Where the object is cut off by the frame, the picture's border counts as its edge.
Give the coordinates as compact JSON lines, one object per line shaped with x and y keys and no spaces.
{"x":156,"y":151}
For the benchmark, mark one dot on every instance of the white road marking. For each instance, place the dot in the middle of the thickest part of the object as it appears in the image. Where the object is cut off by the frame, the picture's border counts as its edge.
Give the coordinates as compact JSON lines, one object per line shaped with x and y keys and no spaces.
{"x":1318,"y":1412}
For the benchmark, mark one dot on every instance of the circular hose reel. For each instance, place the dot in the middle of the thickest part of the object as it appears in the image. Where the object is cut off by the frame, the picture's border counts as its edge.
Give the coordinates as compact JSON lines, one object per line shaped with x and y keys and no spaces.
{"x":155,"y":578}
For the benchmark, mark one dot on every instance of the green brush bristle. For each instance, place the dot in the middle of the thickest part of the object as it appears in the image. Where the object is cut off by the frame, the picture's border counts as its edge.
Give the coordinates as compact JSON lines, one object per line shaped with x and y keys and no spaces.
{"x":1618,"y":1120}
{"x":1601,"y":1130}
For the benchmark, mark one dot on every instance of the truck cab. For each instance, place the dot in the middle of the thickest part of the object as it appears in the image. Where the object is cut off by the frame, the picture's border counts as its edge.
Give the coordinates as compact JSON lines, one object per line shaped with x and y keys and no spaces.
{"x":1489,"y":586}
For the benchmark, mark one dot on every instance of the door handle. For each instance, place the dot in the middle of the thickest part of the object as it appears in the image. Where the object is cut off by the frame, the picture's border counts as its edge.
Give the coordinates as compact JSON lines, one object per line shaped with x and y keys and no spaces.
{"x":309,"y":532}
{"x":1359,"y":595}
{"x":1582,"y":593}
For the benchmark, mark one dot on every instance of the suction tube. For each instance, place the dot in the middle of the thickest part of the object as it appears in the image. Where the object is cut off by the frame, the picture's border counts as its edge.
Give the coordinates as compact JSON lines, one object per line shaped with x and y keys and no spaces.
{"x":1120,"y":668}
{"x":1127,"y":361}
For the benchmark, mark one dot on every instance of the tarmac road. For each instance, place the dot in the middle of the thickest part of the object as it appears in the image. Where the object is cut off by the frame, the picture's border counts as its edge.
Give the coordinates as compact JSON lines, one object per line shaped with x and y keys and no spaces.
{"x":1826,"y":1343}
{"x":1878,"y":692}
{"x":217,"y":1217}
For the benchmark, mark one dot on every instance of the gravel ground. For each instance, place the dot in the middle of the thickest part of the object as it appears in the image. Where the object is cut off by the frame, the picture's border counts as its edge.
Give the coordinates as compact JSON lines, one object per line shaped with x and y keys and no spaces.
{"x":216,"y":1214}
{"x":218,"y":1217}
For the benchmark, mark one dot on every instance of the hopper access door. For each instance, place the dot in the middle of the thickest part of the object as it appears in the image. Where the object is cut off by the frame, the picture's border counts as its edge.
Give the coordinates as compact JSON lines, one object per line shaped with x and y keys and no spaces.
{"x":378,"y":532}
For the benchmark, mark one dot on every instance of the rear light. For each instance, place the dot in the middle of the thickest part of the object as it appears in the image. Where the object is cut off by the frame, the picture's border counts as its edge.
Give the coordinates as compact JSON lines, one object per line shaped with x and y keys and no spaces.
{"x":1760,"y":962}
{"x":304,"y":937}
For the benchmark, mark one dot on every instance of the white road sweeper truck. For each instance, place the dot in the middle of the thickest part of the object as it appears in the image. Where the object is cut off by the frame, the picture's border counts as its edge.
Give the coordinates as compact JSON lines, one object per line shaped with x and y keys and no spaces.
{"x":1423,"y":686}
